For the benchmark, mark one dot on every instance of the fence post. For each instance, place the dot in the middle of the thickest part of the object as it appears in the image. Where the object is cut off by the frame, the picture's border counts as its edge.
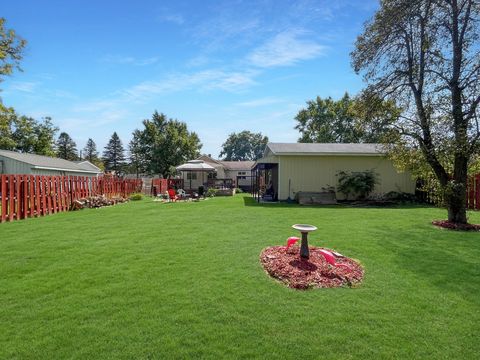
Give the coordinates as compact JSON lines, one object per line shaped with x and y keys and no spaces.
{"x":3,"y":193}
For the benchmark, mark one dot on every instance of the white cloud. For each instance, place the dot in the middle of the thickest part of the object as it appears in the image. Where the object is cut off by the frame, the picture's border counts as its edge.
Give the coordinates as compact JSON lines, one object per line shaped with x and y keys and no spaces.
{"x":202,"y":80}
{"x":285,"y":49}
{"x":129,"y":60}
{"x":23,"y":86}
{"x":176,"y":19}
{"x":260,"y":102}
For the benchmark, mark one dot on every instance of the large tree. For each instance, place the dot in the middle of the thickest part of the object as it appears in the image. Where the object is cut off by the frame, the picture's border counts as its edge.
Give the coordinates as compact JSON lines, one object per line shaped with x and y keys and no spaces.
{"x":244,"y":145}
{"x":45,"y":137}
{"x":7,"y":118}
{"x":90,"y":152}
{"x":138,"y":162}
{"x":11,"y":47}
{"x":347,"y":120}
{"x":425,"y":54}
{"x":66,"y":147}
{"x":165,"y":143}
{"x":25,"y":134}
{"x":32,"y":136}
{"x":114,"y":154}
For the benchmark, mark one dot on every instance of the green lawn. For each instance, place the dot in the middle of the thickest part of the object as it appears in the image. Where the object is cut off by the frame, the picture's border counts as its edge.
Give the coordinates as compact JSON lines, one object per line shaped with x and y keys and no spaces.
{"x":153,"y":280}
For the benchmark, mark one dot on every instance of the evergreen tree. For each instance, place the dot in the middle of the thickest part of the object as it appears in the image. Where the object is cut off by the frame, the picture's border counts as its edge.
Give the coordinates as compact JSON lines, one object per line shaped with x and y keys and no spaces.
{"x":90,"y":152}
{"x":114,"y":154}
{"x":66,"y":147}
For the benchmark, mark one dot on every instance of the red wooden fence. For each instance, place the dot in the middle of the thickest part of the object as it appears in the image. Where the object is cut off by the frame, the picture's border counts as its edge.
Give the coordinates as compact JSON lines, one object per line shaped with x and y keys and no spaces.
{"x":473,"y":193}
{"x":25,"y":196}
{"x":162,"y":185}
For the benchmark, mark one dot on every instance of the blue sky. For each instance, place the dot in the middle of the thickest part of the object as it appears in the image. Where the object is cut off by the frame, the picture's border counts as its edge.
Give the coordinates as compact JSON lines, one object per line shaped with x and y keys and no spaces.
{"x":97,"y":67}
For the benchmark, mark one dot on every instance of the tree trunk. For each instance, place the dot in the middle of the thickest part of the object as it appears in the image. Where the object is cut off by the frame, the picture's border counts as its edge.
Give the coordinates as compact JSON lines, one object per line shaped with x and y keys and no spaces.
{"x":457,"y":210}
{"x":456,"y":193}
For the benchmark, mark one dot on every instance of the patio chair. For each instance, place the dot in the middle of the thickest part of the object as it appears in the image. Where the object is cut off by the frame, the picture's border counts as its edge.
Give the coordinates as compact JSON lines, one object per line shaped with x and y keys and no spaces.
{"x":182,"y":194}
{"x":172,"y":195}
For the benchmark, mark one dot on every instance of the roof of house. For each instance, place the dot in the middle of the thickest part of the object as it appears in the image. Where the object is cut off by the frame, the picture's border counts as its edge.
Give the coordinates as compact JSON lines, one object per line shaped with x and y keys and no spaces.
{"x":324,"y":149}
{"x":49,"y":163}
{"x":195,"y":165}
{"x":87,"y":165}
{"x":208,"y":158}
{"x":237,"y":165}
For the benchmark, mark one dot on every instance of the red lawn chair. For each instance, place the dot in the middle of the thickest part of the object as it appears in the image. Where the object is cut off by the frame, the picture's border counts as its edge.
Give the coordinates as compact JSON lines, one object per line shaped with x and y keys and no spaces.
{"x":172,"y":195}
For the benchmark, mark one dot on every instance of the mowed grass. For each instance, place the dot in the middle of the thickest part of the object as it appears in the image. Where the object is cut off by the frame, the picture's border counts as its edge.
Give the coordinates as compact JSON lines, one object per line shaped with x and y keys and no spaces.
{"x":153,"y":280}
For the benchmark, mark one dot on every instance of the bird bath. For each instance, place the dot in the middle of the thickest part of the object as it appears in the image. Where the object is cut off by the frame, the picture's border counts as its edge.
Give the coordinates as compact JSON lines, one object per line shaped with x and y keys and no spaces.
{"x":304,"y":229}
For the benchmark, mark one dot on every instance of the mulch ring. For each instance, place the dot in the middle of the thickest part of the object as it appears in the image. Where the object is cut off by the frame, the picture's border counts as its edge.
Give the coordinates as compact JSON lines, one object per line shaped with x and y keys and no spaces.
{"x":288,"y":267}
{"x":452,"y":226}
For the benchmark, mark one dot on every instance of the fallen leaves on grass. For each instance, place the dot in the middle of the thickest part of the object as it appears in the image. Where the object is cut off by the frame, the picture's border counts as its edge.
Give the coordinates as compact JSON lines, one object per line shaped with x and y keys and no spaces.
{"x":298,"y":273}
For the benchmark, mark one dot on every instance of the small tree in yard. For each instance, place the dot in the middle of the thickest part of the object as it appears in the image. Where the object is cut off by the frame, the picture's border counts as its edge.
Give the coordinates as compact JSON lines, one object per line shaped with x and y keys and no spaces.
{"x":360,"y":184}
{"x":425,"y":56}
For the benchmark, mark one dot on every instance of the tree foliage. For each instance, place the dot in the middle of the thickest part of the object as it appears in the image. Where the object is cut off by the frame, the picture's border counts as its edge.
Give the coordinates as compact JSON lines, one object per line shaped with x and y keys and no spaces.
{"x":7,"y":118}
{"x":138,"y":163}
{"x":91,"y":154}
{"x":66,"y":147}
{"x":165,"y":143}
{"x":114,"y":154}
{"x":25,"y":134}
{"x":348,"y":120}
{"x":11,"y":47}
{"x":425,"y":55}
{"x":243,"y":146}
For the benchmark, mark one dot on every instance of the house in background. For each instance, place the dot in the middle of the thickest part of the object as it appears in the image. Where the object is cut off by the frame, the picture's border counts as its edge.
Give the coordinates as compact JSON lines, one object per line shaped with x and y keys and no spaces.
{"x":238,"y":172}
{"x":12,"y":162}
{"x":87,"y":165}
{"x":290,"y":168}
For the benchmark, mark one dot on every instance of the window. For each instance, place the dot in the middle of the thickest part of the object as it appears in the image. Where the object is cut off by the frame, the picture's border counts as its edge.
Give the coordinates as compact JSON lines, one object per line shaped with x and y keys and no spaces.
{"x":191,"y":176}
{"x":241,"y":175}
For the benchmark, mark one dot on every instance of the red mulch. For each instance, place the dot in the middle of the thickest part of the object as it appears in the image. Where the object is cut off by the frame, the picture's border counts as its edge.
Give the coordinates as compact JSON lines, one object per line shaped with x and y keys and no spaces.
{"x":298,"y":273}
{"x":452,"y":226}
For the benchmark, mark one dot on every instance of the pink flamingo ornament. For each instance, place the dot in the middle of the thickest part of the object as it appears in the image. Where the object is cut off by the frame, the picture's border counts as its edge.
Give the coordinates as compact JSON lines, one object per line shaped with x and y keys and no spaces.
{"x":291,"y":241}
{"x":330,"y":258}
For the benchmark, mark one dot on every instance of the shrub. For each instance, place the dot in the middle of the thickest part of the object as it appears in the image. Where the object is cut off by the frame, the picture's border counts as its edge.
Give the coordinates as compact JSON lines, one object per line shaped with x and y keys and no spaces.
{"x":238,"y":191}
{"x":359,"y":184}
{"x":135,"y":197}
{"x":399,"y":196}
{"x":211,"y":192}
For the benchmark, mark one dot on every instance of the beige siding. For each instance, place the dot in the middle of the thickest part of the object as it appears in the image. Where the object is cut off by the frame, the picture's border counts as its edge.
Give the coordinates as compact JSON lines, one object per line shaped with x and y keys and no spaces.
{"x":232,"y":174}
{"x":311,"y":173}
{"x":193,"y":184}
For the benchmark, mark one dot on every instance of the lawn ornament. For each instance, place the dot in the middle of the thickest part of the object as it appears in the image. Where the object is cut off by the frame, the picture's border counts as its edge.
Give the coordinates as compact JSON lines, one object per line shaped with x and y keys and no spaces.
{"x":330,"y":258}
{"x":304,"y":230}
{"x":291,"y":241}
